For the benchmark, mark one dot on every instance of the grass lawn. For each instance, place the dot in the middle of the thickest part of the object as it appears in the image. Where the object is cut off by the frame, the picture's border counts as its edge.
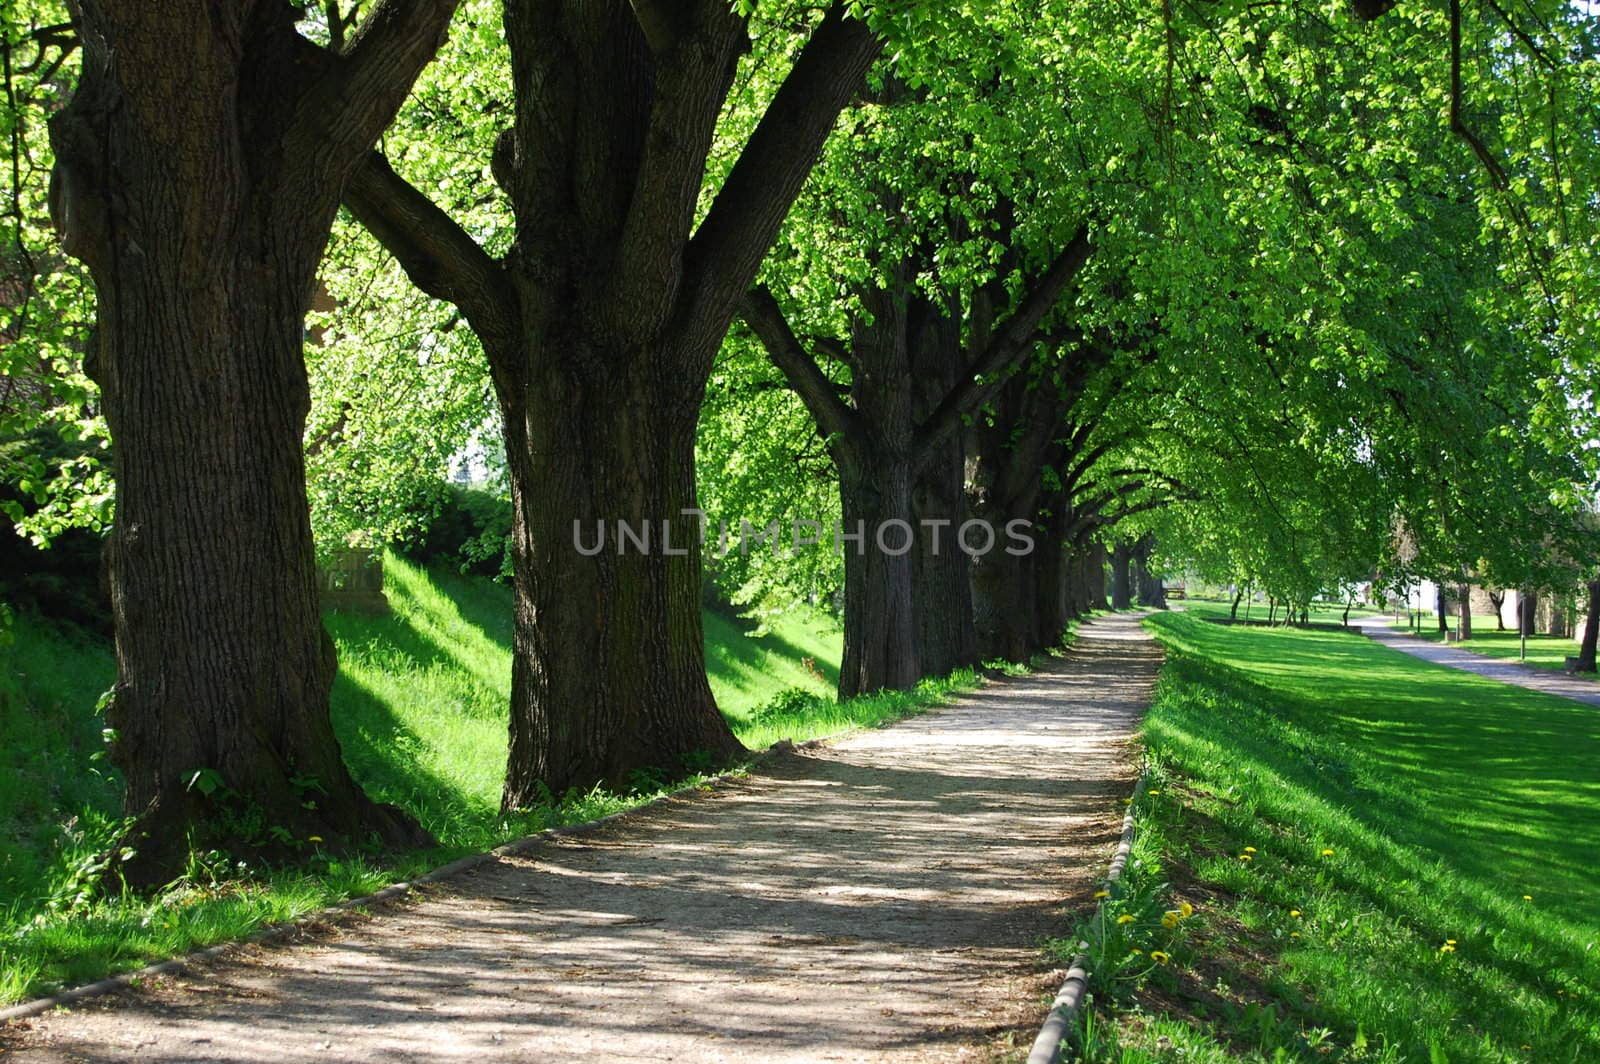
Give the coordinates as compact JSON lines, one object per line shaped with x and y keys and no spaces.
{"x":420,"y":710}
{"x":1386,"y":861}
{"x":1544,"y":651}
{"x":1257,"y":612}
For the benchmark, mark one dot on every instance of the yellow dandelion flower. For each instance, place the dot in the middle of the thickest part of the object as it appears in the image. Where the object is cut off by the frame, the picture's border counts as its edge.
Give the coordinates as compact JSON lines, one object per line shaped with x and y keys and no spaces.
{"x":1246,"y":857}
{"x":1295,"y":913}
{"x":1136,"y":953}
{"x":1327,"y":853}
{"x":1294,"y":934}
{"x":1527,"y":897}
{"x":315,"y":838}
{"x":1170,"y":920}
{"x":1449,"y":942}
{"x":1102,"y":894}
{"x":1249,"y":849}
{"x":1159,"y":957}
{"x":1447,"y":948}
{"x":1125,"y":919}
{"x":1185,"y":909}
{"x":1155,"y":792}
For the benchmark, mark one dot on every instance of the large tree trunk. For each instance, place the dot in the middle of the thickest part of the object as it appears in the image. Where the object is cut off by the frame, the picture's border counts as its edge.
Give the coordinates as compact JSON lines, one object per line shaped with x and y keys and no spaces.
{"x":1088,"y":590}
{"x":1591,"y":630}
{"x":1004,"y":600}
{"x":224,"y":668}
{"x":602,"y":475}
{"x":1150,"y":590}
{"x":1464,"y":612}
{"x":601,"y":325}
{"x":199,"y":194}
{"x":941,"y":572}
{"x":1053,"y":581}
{"x":1005,"y":586}
{"x":880,"y":629}
{"x":1528,"y":612}
{"x":1122,"y":575}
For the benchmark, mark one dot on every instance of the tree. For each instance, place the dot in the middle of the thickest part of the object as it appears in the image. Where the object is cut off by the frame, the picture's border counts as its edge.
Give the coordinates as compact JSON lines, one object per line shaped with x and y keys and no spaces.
{"x":888,"y":439}
{"x":601,"y":325}
{"x":940,"y":245}
{"x":199,"y":166}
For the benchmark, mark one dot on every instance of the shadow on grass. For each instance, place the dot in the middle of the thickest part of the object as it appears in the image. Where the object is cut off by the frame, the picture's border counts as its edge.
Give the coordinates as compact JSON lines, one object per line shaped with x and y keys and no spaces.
{"x":1406,"y":809}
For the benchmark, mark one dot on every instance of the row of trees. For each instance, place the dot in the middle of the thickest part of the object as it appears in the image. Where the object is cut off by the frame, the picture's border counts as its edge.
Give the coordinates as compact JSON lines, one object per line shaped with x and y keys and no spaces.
{"x":1218,"y":274}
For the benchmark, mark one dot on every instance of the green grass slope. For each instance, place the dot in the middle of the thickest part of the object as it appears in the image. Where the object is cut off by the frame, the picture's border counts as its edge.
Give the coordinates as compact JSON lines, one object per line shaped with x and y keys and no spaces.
{"x":1388,"y":860}
{"x":420,"y":701}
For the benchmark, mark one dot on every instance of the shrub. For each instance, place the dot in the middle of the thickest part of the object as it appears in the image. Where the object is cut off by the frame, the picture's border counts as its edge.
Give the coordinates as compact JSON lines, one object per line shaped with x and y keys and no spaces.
{"x":470,"y":530}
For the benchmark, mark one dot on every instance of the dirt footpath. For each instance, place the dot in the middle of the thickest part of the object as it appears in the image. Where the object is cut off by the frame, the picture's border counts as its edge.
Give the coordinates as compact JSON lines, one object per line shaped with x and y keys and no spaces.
{"x":881,"y":898}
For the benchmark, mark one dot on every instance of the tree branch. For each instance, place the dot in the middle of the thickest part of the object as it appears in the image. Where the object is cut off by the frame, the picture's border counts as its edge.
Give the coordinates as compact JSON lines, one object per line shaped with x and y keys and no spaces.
{"x":1006,"y":348}
{"x":761,"y":312}
{"x":727,"y":249}
{"x":661,"y":22}
{"x":435,"y":252}
{"x":361,"y":94}
{"x":691,"y":84}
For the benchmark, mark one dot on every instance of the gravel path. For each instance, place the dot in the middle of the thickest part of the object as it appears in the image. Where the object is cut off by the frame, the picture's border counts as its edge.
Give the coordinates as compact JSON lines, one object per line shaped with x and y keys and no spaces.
{"x":879,"y":898}
{"x":1512,"y":672}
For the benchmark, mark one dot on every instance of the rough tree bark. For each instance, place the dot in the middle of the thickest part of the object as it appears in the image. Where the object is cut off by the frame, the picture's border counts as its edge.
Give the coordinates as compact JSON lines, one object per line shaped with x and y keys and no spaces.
{"x":941,"y":572}
{"x":1464,"y":612}
{"x":1528,"y":611}
{"x":912,"y":384}
{"x":199,"y":168}
{"x":600,"y":326}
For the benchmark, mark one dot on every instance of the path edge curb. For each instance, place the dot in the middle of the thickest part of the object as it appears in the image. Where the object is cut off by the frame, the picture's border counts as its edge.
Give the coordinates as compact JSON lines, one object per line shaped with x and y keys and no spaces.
{"x":1052,"y":1034}
{"x":110,"y":985}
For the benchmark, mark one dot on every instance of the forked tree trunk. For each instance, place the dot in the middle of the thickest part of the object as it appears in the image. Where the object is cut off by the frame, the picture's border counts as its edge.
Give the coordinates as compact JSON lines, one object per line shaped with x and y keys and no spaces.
{"x":947,"y":639}
{"x":601,"y":325}
{"x":199,"y":167}
{"x":607,"y":579}
{"x":1233,"y":611}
